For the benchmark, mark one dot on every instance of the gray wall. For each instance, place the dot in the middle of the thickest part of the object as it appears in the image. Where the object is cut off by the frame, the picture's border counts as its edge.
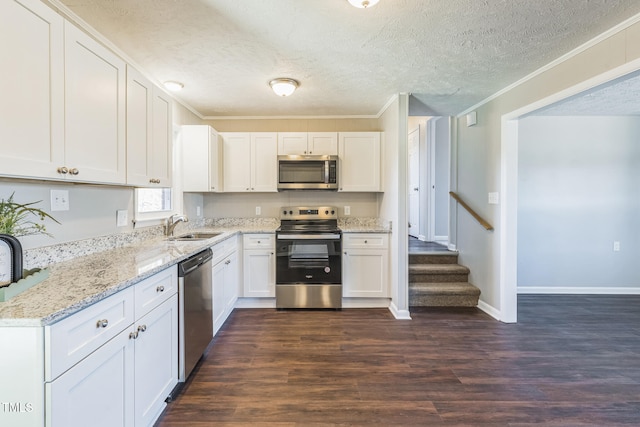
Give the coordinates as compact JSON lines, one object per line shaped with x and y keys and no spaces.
{"x":578,"y":192}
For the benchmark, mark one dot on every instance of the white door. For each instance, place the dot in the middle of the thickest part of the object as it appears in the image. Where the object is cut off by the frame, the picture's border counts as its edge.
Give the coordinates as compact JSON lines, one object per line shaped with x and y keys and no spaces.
{"x":414,"y":183}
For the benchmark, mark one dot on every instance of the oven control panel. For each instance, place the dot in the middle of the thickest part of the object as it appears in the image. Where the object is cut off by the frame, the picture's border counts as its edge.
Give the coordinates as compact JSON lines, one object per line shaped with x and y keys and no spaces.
{"x":305,"y":212}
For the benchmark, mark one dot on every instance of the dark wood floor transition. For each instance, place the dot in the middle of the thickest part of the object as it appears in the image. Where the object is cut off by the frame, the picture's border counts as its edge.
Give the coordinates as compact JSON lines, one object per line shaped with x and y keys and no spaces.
{"x":570,"y":361}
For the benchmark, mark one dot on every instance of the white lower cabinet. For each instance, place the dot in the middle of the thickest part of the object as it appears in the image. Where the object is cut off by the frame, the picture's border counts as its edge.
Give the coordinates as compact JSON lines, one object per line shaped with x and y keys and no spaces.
{"x":98,"y":391}
{"x":259,"y":265}
{"x":124,"y":379}
{"x":365,"y":265}
{"x":225,"y":284}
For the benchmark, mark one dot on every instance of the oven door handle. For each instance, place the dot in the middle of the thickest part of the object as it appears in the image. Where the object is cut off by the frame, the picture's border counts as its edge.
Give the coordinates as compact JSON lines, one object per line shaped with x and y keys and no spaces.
{"x":327,"y":236}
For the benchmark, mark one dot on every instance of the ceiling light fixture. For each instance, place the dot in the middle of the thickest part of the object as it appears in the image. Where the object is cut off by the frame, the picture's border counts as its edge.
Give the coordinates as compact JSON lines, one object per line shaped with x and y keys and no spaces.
{"x":283,"y":87}
{"x":363,"y":4}
{"x":173,"y":86}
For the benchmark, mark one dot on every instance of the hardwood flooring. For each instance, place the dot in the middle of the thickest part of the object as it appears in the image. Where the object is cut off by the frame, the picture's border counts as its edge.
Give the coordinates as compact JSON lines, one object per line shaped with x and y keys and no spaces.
{"x":570,"y":361}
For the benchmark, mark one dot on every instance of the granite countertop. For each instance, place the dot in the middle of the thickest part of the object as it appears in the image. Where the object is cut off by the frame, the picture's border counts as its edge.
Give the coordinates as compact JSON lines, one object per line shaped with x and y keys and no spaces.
{"x":80,"y":282}
{"x":76,"y":283}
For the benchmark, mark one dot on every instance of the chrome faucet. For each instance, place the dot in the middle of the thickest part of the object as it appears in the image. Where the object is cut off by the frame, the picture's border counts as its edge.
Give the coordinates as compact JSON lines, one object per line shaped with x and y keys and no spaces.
{"x":173,"y":221}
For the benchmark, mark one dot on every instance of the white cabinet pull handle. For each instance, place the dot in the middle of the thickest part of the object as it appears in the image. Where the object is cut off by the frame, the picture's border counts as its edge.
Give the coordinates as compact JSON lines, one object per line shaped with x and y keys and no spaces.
{"x":102,"y":323}
{"x":160,"y":288}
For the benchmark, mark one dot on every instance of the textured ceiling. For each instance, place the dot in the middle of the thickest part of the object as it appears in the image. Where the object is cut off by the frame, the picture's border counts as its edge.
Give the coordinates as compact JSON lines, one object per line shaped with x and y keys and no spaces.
{"x":450,"y":54}
{"x":620,"y":97}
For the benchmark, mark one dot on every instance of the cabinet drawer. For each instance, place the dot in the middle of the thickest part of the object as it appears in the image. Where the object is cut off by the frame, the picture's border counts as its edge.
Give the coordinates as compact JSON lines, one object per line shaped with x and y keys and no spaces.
{"x":258,"y":241}
{"x":75,"y":337}
{"x":224,"y":249}
{"x":155,"y":290}
{"x":365,"y":241}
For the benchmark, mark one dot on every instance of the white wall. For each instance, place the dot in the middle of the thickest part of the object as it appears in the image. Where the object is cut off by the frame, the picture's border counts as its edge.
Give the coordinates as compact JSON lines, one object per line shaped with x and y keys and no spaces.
{"x":92,"y":210}
{"x":393,"y":203}
{"x":578,"y":192}
{"x":224,"y":205}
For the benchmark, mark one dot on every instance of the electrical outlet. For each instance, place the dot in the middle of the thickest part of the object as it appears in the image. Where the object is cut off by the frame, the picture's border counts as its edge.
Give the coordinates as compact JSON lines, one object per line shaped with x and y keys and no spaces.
{"x":198,"y":211}
{"x":616,"y":246}
{"x":122,"y":218}
{"x":347,"y":210}
{"x":59,"y":200}
{"x":258,"y":210}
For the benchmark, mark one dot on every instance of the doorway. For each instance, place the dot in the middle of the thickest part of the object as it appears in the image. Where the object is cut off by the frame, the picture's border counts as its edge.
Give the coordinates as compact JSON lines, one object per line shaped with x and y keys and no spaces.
{"x":429,"y":146}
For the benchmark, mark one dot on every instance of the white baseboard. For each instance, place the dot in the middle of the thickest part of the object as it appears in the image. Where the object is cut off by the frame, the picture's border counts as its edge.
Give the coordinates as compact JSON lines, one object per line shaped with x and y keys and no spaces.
{"x":579,"y":290}
{"x":255,"y":303}
{"x":399,"y":314}
{"x":489,"y":309}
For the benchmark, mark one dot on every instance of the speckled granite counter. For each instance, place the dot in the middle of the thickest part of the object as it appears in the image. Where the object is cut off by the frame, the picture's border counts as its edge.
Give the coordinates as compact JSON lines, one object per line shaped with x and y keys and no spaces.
{"x":82,"y":281}
{"x":82,"y":273}
{"x":364,"y":225}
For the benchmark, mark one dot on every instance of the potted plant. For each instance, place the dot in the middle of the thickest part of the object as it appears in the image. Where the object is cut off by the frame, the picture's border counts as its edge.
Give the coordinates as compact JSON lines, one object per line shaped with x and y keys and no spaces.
{"x":17,"y":219}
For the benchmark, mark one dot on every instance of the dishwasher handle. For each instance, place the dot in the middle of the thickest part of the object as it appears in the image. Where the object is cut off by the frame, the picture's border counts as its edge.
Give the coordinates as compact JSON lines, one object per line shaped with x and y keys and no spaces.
{"x":192,"y":263}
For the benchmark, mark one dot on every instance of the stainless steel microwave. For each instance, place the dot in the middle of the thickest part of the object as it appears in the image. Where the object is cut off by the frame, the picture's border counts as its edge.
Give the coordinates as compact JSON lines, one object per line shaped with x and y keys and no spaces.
{"x":307,"y":172}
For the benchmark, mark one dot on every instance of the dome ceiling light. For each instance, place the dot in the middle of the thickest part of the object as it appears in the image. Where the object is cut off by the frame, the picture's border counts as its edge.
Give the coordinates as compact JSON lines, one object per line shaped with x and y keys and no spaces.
{"x":173,"y":86}
{"x":283,"y":87}
{"x":363,"y":4}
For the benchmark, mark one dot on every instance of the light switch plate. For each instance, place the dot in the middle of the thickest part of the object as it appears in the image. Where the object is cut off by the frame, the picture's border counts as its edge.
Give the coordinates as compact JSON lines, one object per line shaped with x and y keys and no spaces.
{"x":347,"y":210}
{"x":258,"y":210}
{"x":494,"y":198}
{"x":59,"y":200}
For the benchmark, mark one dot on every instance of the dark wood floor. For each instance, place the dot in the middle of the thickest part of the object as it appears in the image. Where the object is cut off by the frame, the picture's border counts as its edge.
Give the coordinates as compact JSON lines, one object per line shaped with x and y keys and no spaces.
{"x":570,"y":361}
{"x":418,"y":246}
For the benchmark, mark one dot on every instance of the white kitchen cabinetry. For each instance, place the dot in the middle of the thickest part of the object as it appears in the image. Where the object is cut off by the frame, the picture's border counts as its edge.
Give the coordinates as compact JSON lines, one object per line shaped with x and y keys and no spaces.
{"x":365,"y":265}
{"x":311,"y":143}
{"x":94,"y":99}
{"x":201,"y":159}
{"x":250,"y":162}
{"x":226,"y":272}
{"x":95,"y":378}
{"x":259,"y":265}
{"x":149,"y":133}
{"x":32,"y":87}
{"x":360,"y":165}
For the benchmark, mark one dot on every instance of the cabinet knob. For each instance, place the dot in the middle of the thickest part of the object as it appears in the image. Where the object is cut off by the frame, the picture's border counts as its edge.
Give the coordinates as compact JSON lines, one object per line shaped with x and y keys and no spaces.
{"x":63,"y":170}
{"x":142,"y":328}
{"x":247,"y":188}
{"x":345,"y":252}
{"x":102,"y":323}
{"x":365,"y":242}
{"x":74,"y":171}
{"x":133,"y":335}
{"x":160,"y":288}
{"x":252,"y":188}
{"x":227,"y":262}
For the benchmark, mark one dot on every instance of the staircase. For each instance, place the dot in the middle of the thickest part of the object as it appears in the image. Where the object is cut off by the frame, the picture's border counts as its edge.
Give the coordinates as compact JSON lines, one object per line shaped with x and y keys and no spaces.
{"x":437,"y":280}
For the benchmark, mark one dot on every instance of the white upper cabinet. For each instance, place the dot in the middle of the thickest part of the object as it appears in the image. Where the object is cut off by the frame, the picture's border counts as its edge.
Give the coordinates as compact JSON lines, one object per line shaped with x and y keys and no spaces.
{"x":149,"y":133}
{"x":292,"y":143}
{"x":264,"y":162}
{"x":250,"y":162}
{"x":201,"y":159}
{"x":139,"y":107}
{"x":312,"y":143}
{"x":32,"y":87}
{"x":323,"y":143}
{"x":360,"y":167}
{"x":95,"y":82}
{"x":162,"y":138}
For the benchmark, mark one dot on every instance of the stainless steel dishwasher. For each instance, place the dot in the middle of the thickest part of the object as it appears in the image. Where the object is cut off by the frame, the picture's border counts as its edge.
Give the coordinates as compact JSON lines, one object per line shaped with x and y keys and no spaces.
{"x":195,"y":314}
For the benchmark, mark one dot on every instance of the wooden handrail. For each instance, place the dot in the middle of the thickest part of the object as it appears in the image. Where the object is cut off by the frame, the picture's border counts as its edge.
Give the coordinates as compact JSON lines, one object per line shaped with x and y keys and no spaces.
{"x":473,"y":213}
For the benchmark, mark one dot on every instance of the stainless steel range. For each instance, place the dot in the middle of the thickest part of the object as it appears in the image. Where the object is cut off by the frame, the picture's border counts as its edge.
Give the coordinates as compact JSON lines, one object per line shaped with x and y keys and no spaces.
{"x":309,"y":258}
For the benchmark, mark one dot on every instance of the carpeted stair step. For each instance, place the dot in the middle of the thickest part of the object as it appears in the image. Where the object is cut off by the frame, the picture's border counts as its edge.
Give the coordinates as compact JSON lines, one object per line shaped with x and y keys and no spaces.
{"x":437,"y":273}
{"x":448,"y":294}
{"x":448,"y":257}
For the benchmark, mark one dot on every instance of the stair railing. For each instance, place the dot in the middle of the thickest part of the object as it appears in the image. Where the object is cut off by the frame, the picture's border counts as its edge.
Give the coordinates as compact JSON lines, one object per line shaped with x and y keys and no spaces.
{"x":473,"y":213}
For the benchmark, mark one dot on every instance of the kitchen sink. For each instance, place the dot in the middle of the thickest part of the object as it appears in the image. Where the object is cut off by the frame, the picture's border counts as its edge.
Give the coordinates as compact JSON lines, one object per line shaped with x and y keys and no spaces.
{"x":193,"y":236}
